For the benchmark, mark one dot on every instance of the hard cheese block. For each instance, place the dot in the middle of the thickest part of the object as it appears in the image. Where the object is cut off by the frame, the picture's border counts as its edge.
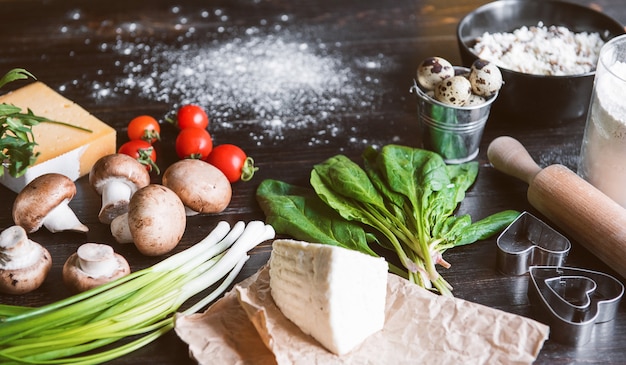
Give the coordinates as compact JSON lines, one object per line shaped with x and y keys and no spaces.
{"x":62,"y":149}
{"x":333,"y":294}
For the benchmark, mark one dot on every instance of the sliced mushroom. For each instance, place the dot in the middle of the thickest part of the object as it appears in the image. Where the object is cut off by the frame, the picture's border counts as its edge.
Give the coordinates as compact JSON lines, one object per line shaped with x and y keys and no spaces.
{"x":202,"y":187}
{"x":24,"y":264}
{"x":44,"y":201}
{"x":116,"y":177}
{"x":155,"y":221}
{"x":92,"y":265}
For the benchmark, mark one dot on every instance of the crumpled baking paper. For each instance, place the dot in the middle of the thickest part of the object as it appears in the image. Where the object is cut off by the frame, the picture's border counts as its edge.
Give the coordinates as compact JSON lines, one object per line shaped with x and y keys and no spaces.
{"x":246,"y":327}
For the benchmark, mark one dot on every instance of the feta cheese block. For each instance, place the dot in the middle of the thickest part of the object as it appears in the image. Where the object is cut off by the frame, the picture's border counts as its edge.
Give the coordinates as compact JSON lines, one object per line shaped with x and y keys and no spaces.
{"x":333,"y":294}
{"x":64,"y":150}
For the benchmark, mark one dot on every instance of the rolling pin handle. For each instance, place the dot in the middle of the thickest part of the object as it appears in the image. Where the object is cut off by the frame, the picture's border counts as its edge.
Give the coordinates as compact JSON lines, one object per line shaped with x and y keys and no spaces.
{"x":508,"y":155}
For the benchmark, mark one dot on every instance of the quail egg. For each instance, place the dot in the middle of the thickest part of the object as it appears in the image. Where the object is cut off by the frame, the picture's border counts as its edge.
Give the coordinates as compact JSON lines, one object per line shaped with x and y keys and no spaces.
{"x":432,"y":71}
{"x":485,"y":77}
{"x":475,"y":100}
{"x":455,"y":91}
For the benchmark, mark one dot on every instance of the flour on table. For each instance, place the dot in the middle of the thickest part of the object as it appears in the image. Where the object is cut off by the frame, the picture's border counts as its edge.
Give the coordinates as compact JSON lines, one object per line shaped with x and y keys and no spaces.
{"x":269,"y":78}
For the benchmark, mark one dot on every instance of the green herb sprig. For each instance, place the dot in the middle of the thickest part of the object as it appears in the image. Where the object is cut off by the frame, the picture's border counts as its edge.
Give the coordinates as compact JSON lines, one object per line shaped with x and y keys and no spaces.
{"x":17,"y":141}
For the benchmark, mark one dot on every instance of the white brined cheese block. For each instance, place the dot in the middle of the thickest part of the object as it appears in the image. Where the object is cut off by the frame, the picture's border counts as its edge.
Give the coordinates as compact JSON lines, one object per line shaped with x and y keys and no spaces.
{"x":62,"y":149}
{"x":333,"y":294}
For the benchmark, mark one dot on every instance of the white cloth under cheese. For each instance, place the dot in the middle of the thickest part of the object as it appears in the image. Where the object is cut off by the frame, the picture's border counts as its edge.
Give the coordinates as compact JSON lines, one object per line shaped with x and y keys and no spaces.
{"x":333,"y":294}
{"x":64,"y":150}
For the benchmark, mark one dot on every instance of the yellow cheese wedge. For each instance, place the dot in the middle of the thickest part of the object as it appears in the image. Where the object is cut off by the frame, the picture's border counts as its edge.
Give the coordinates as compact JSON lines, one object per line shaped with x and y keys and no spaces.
{"x":62,"y":149}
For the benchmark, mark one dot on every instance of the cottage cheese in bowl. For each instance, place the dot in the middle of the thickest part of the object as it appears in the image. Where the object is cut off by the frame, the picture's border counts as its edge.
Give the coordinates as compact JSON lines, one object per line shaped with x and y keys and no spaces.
{"x":541,"y":50}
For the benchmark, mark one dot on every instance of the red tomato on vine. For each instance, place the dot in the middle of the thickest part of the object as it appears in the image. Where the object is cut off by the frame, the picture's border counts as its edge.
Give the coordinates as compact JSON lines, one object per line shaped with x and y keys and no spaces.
{"x":233,"y":162}
{"x":144,"y":127}
{"x":141,"y":151}
{"x":192,"y":116}
{"x":193,"y":143}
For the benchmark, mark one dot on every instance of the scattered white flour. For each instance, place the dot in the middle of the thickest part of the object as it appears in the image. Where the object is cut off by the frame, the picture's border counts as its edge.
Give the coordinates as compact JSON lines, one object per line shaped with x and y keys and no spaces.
{"x":541,"y":50}
{"x":268,"y":76}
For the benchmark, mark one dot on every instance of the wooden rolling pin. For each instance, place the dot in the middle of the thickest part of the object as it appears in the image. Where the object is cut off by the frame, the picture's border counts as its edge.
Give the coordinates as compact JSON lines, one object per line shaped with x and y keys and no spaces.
{"x":578,"y":208}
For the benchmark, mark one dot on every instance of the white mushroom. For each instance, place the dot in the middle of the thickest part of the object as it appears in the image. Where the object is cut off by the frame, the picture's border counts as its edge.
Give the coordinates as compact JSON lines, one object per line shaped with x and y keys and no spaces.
{"x":202,"y":187}
{"x":116,"y":177}
{"x":155,"y":221}
{"x":24,"y":264}
{"x":92,"y":265}
{"x":44,"y":201}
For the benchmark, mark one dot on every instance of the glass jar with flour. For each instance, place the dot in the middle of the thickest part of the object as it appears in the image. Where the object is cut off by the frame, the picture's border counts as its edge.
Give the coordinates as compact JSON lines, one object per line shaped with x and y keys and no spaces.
{"x":603,"y":153}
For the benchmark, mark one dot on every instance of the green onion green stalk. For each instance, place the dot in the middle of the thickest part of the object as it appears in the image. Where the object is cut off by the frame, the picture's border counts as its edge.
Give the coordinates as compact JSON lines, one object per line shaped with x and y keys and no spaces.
{"x":88,"y":328}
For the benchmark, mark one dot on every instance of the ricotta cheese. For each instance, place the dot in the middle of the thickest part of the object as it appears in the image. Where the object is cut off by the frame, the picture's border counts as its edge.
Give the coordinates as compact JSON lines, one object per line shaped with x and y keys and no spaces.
{"x":63,"y":150}
{"x":333,"y":294}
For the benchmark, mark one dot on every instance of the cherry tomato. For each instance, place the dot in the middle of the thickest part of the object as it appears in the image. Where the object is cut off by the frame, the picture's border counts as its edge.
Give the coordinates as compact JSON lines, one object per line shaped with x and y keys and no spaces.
{"x":144,"y":127}
{"x":142,"y":151}
{"x":193,"y":143}
{"x":233,"y":162}
{"x":193,"y":116}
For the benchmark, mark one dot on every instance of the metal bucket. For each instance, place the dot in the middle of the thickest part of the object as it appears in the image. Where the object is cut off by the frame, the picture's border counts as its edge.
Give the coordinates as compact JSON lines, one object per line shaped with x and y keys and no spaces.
{"x":453,"y":132}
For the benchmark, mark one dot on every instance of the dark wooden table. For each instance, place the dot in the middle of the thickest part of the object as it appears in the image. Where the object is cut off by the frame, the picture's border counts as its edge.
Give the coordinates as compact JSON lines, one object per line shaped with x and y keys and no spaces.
{"x":101,"y":53}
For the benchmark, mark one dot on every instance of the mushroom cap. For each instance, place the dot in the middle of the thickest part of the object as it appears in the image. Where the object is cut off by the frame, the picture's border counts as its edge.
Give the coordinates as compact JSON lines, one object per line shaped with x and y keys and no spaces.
{"x":120,"y":166}
{"x":23,"y":279}
{"x":79,"y":281}
{"x":39,"y":197}
{"x":156,"y":219}
{"x":201,"y":186}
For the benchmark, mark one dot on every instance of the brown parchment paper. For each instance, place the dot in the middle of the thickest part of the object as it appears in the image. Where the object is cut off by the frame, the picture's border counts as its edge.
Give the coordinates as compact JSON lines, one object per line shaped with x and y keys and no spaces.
{"x":246,"y":327}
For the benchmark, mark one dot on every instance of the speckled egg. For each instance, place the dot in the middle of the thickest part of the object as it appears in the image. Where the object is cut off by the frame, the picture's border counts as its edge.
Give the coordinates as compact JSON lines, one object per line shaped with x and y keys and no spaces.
{"x":432,"y":71}
{"x":475,"y":100}
{"x":455,"y":91}
{"x":485,"y":77}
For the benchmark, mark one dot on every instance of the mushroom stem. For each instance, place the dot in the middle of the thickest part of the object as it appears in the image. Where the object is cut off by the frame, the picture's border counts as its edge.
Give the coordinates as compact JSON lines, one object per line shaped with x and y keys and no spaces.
{"x":97,"y":260}
{"x":62,"y":218}
{"x":121,"y":230}
{"x":24,"y":264}
{"x":190,"y":212}
{"x":92,"y":265}
{"x":115,"y":197}
{"x":16,"y":250}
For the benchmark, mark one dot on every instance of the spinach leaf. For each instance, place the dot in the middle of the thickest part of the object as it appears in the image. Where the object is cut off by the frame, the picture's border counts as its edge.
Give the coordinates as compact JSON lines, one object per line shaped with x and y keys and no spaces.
{"x":348,"y":179}
{"x":346,"y":188}
{"x":486,"y":227}
{"x":299,"y":213}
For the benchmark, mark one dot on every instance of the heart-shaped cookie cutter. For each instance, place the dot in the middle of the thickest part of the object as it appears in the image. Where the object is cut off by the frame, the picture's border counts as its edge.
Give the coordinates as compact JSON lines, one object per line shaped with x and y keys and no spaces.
{"x":572,"y":300}
{"x":528,"y":241}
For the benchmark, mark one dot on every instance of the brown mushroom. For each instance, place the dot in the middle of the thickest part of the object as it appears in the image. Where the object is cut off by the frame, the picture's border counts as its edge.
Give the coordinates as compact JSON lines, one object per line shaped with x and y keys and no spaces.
{"x":202,"y":187}
{"x":155,"y":221}
{"x":116,"y":177}
{"x":24,"y":264}
{"x":92,"y":265}
{"x":44,"y":201}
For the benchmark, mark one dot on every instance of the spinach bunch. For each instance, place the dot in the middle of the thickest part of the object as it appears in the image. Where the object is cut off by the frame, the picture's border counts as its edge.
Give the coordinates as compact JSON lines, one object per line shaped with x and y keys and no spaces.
{"x":404,"y":197}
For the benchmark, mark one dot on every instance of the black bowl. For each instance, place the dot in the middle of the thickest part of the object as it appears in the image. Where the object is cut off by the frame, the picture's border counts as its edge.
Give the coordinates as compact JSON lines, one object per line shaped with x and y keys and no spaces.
{"x":536,"y":98}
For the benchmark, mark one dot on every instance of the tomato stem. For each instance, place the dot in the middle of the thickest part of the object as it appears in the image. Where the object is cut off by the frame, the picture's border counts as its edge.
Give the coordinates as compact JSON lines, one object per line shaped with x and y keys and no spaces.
{"x":248,"y":169}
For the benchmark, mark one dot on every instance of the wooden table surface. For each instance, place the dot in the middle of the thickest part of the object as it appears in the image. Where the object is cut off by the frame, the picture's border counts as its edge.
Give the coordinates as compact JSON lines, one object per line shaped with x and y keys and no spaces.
{"x":102,"y":54}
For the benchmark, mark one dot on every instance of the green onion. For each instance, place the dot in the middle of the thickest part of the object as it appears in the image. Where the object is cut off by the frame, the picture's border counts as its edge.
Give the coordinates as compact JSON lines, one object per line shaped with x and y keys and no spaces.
{"x":141,"y":305}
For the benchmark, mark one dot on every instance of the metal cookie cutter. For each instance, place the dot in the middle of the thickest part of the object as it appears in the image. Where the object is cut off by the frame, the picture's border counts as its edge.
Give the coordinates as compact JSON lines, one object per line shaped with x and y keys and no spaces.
{"x":528,"y":241}
{"x":572,"y":300}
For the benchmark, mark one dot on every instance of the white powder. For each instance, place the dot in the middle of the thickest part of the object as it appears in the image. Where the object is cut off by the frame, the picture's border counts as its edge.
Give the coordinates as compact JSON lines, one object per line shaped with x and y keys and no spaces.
{"x":603,"y":161}
{"x":268,"y":77}
{"x":541,"y":50}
